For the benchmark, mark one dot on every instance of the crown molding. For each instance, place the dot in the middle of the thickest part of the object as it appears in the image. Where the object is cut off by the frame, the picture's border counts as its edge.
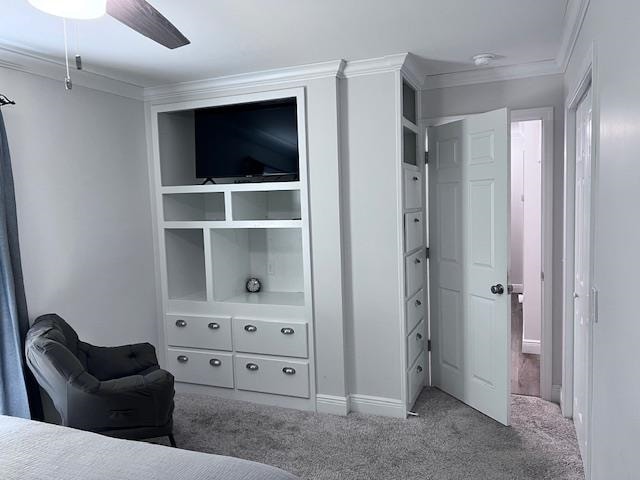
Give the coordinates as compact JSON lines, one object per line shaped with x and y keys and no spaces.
{"x":209,"y":86}
{"x":414,"y":72}
{"x":15,"y":58}
{"x":574,"y":18}
{"x":372,"y":66}
{"x":495,"y":74}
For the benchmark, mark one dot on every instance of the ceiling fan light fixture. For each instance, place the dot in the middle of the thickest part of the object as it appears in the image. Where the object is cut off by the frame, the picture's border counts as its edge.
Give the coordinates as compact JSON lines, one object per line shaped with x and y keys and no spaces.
{"x":75,"y":9}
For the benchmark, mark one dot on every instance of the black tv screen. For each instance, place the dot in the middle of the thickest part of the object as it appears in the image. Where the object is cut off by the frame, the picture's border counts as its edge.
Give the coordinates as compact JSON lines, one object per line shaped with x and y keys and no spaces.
{"x":248,"y":140}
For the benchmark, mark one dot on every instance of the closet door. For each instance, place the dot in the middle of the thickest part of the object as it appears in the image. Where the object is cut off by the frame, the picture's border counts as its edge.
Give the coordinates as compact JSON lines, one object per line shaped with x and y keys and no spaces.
{"x":468,"y":240}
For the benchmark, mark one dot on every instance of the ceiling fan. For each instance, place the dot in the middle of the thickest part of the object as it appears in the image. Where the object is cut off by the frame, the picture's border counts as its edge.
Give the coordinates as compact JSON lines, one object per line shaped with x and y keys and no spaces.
{"x":136,"y":14}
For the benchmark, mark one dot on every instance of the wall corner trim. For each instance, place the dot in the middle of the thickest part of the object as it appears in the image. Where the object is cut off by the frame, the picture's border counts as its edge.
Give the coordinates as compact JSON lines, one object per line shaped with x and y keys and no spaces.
{"x":388,"y":407}
{"x":332,"y":404}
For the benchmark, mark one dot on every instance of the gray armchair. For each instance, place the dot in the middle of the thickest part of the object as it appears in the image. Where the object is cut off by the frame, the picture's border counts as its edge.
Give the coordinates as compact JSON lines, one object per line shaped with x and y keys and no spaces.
{"x":116,"y":391}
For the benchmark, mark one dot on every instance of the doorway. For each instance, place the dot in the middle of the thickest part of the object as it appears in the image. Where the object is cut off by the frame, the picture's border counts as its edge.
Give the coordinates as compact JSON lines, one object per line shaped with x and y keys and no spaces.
{"x":531,"y":240}
{"x":526,"y":256}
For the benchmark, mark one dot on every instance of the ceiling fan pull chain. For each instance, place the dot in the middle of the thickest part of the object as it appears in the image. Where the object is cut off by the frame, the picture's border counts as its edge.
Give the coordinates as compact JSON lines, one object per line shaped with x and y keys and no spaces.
{"x":67,"y":80}
{"x":77,"y":41}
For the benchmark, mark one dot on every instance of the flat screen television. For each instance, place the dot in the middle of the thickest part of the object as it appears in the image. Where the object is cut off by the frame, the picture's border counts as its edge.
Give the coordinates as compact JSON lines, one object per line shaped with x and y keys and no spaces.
{"x":248,"y":142}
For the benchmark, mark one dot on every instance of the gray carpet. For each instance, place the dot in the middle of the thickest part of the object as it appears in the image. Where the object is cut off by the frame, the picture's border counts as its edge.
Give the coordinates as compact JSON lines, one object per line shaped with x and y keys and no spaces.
{"x":447,"y":441}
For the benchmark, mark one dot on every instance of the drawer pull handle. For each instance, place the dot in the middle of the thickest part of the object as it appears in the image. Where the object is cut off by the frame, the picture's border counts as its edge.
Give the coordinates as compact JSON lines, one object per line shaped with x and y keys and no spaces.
{"x":181,"y":323}
{"x":250,"y":328}
{"x":183,"y":358}
{"x":416,"y":220}
{"x":415,"y":179}
{"x":289,"y":371}
{"x":417,"y":261}
{"x":252,"y":366}
{"x":287,"y":331}
{"x":419,"y":369}
{"x":214,"y":326}
{"x":418,"y":303}
{"x":418,"y":336}
{"x":214,"y":362}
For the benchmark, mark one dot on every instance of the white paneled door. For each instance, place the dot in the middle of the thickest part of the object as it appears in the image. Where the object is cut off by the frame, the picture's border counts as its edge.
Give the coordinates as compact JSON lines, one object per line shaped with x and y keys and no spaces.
{"x":470,"y":309}
{"x":582,"y":281}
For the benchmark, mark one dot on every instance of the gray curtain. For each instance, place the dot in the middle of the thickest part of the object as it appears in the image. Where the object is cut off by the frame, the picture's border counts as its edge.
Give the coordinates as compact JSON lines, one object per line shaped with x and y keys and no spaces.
{"x":14,"y":322}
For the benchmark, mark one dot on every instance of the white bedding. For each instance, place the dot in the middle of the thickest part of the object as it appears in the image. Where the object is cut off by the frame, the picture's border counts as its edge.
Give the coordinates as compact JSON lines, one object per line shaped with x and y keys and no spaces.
{"x":37,"y":451}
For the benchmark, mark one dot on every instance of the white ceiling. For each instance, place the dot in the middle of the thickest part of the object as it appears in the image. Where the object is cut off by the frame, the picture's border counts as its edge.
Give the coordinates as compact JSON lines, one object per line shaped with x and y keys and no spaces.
{"x":238,"y":36}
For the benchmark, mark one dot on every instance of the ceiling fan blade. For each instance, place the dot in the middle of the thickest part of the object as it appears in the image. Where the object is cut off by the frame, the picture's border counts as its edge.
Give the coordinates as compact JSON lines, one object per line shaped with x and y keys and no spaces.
{"x":144,"y":19}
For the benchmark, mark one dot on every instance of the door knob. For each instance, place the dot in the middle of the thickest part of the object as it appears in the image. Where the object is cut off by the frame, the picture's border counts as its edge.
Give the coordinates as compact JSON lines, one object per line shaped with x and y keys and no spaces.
{"x":497,"y":289}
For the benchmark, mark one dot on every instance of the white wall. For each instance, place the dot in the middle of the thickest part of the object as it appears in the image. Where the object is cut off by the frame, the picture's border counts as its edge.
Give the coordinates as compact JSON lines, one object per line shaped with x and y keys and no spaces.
{"x":79,"y":162}
{"x":544,"y":91}
{"x":613,"y":26}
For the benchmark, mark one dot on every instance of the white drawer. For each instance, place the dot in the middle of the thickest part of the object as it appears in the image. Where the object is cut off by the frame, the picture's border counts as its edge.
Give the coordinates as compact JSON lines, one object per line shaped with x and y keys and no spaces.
{"x":205,"y":368}
{"x":413,"y":231}
{"x":416,"y":342}
{"x":412,"y":188}
{"x":415,"y":310}
{"x":414,"y":272}
{"x":416,"y":377}
{"x":212,"y":333}
{"x":282,"y":377}
{"x":287,"y":339}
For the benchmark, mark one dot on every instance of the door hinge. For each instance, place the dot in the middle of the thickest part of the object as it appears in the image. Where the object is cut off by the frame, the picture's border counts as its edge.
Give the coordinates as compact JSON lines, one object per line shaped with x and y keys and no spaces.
{"x":426,"y":158}
{"x":429,"y":345}
{"x":426,"y":252}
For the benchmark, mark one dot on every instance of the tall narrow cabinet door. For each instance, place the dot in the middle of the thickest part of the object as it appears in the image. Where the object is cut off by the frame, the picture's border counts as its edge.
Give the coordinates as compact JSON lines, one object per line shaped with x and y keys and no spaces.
{"x":470,"y":310}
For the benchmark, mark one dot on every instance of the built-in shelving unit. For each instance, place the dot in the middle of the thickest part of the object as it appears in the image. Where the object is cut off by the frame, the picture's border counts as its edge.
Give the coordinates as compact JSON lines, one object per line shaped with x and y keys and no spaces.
{"x":212,"y":239}
{"x":414,"y":253}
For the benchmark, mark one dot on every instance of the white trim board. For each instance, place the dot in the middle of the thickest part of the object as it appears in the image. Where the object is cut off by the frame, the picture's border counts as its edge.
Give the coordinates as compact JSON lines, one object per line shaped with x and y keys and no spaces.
{"x":14,"y":58}
{"x":576,"y":11}
{"x":246,"y":80}
{"x":388,"y":407}
{"x":531,"y":347}
{"x":494,"y":74}
{"x":556,"y":394}
{"x":332,"y":404}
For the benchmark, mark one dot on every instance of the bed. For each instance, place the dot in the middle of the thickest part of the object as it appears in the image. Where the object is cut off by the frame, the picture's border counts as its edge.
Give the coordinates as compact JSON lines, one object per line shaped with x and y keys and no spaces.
{"x":37,"y":451}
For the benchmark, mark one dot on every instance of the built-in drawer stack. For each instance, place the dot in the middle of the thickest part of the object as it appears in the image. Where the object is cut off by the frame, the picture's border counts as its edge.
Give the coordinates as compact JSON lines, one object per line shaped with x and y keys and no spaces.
{"x":254,"y":355}
{"x":415,"y":258}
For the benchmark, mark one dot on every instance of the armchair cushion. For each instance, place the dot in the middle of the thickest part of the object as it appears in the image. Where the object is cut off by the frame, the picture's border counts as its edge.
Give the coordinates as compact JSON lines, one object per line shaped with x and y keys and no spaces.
{"x":106,"y":363}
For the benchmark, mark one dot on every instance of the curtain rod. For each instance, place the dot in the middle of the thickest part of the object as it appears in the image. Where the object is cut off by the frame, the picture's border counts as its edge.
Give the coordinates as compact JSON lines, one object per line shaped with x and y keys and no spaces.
{"x":5,"y":101}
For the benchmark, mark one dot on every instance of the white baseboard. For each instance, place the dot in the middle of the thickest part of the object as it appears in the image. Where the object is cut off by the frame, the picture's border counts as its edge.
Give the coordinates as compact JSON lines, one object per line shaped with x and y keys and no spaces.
{"x":387,"y":407}
{"x":556,"y":392}
{"x":531,"y":347}
{"x":332,"y":404}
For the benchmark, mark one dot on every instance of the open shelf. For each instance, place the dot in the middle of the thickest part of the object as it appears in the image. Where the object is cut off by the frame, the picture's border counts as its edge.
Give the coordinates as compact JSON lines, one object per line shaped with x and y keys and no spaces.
{"x":179,"y":207}
{"x":177,"y":149}
{"x":410,"y":146}
{"x":186,"y":278}
{"x":266,"y":205}
{"x":272,"y":255}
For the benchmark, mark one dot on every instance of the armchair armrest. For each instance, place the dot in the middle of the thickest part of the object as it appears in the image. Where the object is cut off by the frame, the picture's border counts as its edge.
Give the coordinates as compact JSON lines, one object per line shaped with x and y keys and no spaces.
{"x":106,"y":363}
